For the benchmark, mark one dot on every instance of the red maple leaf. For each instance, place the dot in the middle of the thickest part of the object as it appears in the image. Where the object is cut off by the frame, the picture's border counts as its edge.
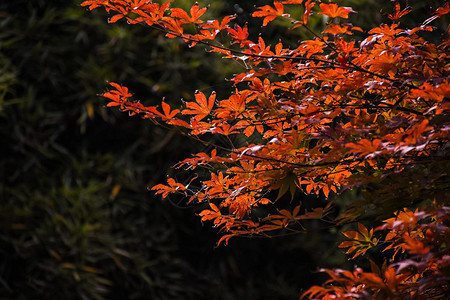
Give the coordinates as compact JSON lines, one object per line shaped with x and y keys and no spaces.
{"x":333,"y":10}
{"x":202,"y":107}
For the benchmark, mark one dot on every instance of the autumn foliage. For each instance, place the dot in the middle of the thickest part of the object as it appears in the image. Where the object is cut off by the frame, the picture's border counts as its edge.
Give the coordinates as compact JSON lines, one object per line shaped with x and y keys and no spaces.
{"x":323,"y":116}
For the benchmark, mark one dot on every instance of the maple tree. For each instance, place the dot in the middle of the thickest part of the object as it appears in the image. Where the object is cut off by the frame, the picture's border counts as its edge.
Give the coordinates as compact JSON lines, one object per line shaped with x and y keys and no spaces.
{"x":324,"y":116}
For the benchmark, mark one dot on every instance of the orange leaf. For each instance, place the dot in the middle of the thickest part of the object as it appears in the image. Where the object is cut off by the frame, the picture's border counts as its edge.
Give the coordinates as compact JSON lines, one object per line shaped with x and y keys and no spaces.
{"x":202,"y":107}
{"x":397,"y":14}
{"x":238,"y":33}
{"x":225,"y":239}
{"x":167,"y":113}
{"x":308,"y":11}
{"x":171,"y":188}
{"x":292,"y":2}
{"x":115,"y":18}
{"x":269,"y":13}
{"x":333,"y":10}
{"x":364,"y":147}
{"x":195,"y":12}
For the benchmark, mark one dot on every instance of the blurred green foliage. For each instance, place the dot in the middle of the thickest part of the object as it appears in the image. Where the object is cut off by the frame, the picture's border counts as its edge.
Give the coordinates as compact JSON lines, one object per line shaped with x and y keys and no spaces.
{"x":76,"y":222}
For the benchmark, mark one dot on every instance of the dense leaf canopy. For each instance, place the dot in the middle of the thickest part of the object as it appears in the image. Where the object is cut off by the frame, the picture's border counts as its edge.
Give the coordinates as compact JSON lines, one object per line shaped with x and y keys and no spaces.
{"x":323,"y":116}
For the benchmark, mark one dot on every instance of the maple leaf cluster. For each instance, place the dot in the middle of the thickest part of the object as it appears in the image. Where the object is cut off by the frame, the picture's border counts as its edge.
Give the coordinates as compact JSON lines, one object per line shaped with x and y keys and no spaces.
{"x":424,"y":274}
{"x":327,"y":115}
